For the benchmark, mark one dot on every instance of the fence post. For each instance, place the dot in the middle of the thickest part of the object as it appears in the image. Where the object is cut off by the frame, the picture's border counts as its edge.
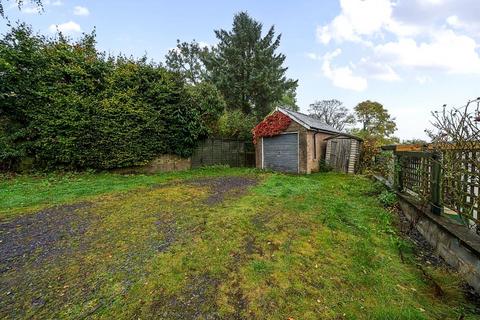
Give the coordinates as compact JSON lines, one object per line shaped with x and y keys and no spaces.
{"x":436,"y":185}
{"x":398,"y":172}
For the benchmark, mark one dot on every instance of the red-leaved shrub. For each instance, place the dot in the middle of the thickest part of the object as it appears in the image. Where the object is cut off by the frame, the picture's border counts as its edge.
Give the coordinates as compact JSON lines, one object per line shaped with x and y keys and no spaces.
{"x":272,"y":125}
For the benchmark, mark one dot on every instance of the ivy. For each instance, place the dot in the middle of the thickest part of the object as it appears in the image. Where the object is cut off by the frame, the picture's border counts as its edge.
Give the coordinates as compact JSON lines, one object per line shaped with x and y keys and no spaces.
{"x":272,"y":125}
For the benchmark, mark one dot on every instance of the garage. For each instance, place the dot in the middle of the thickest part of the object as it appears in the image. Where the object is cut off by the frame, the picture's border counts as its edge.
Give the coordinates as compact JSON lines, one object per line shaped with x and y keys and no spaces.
{"x":280,"y":152}
{"x":290,"y":141}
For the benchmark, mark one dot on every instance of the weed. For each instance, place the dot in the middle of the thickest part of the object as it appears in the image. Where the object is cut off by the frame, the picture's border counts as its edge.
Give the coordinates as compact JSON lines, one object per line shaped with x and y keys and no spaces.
{"x":388,"y":198}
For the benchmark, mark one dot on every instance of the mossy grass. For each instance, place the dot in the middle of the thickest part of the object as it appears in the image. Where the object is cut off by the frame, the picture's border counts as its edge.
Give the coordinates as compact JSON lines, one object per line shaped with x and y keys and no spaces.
{"x":302,"y":247}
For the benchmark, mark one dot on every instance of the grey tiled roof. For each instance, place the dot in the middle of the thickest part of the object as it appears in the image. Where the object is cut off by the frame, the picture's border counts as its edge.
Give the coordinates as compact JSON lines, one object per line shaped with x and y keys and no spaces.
{"x":310,"y":122}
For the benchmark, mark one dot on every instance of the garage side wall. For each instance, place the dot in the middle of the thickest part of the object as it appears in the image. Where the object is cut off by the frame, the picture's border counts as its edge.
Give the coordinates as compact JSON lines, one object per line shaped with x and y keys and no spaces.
{"x":313,"y":160}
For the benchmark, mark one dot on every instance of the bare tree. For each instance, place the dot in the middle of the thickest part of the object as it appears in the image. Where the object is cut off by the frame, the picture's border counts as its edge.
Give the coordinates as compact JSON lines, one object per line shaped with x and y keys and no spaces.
{"x":456,"y":136}
{"x":332,"y":112}
{"x":19,"y":3}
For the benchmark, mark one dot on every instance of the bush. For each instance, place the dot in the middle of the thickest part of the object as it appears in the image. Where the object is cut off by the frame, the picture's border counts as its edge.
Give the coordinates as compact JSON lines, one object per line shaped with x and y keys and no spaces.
{"x":236,"y":124}
{"x":209,"y":102}
{"x":388,"y":198}
{"x":66,"y":105}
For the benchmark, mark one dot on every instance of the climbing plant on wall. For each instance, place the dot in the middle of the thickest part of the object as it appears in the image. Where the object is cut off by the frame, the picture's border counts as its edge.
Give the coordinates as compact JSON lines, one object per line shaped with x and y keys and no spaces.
{"x":272,"y":125}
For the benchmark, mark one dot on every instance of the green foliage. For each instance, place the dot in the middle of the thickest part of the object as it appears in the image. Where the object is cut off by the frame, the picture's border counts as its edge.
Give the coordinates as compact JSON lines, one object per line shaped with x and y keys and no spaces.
{"x":187,"y":60}
{"x":246,"y":68}
{"x":289,"y":100}
{"x":388,"y":198}
{"x":66,"y":105}
{"x":324,"y":166}
{"x":236,"y":124}
{"x":375,"y":121}
{"x":377,"y":128}
{"x":209,"y":103}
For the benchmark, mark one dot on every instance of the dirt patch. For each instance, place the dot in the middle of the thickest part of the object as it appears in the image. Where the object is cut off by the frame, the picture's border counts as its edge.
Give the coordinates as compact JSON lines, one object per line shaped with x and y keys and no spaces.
{"x":38,"y":236}
{"x":196,"y":301}
{"x":260,"y":220}
{"x":222,"y":187}
{"x":168,"y":227}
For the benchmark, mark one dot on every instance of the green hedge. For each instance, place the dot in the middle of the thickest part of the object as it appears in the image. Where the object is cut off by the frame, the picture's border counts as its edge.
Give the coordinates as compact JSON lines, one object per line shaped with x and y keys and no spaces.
{"x":66,"y":105}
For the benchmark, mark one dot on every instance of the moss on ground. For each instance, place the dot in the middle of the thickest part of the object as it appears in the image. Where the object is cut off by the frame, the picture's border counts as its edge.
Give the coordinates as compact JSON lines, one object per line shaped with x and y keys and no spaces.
{"x":301,"y":247}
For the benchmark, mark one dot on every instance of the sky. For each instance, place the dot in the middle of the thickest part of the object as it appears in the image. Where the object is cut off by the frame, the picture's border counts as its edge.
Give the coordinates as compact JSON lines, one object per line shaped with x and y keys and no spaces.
{"x":412,"y":56}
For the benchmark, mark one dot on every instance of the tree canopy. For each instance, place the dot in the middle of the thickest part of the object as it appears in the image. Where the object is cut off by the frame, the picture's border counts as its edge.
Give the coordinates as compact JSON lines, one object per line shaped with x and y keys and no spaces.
{"x":187,"y":60}
{"x":246,"y":68}
{"x":375,"y":120}
{"x":332,"y":112}
{"x":66,"y":105}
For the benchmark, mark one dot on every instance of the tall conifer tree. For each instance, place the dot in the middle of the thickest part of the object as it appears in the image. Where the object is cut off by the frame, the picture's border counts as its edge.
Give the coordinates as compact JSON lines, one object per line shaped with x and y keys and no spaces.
{"x":246,"y":68}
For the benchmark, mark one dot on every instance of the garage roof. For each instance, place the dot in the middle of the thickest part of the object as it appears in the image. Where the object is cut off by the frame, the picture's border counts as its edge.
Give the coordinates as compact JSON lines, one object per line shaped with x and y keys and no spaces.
{"x":309,"y":122}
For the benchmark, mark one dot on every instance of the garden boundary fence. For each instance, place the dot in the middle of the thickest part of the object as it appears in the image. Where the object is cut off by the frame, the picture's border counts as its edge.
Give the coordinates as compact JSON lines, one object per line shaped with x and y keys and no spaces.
{"x":443,"y":178}
{"x":217,"y":151}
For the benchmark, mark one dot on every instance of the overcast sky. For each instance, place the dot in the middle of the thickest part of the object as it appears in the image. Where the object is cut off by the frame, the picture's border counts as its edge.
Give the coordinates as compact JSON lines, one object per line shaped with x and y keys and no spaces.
{"x":411,"y":55}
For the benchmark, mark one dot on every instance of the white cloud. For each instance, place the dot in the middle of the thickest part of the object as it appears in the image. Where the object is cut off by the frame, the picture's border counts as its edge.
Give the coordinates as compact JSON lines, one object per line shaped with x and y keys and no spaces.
{"x":423,"y":79}
{"x":446,"y":51}
{"x":453,"y":21}
{"x":53,"y":3}
{"x":342,"y":77}
{"x":313,"y":56}
{"x":378,"y":70}
{"x":32,"y":10}
{"x":447,"y":42}
{"x":66,"y":28}
{"x":357,"y":19}
{"x":81,"y":11}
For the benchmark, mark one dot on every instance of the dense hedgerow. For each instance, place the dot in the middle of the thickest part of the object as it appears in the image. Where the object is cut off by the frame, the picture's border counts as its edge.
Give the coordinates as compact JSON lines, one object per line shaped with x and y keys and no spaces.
{"x":64,"y":104}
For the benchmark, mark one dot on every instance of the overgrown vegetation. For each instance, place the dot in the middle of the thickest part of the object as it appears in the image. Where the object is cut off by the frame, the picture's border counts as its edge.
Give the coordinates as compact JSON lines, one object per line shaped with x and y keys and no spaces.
{"x":66,"y":105}
{"x":377,"y":129}
{"x":168,"y":246}
{"x":455,"y":138}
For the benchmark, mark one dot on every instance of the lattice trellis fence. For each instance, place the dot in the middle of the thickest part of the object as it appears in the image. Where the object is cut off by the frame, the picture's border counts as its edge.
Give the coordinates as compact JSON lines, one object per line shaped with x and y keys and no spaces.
{"x":449,"y":178}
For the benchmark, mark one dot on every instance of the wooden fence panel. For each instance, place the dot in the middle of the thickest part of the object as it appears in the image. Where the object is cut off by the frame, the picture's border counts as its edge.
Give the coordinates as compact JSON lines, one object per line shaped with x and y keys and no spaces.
{"x":234,"y":153}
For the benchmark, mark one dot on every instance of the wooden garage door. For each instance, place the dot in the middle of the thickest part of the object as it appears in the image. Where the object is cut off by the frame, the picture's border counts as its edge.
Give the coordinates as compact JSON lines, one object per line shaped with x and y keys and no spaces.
{"x":280,"y":153}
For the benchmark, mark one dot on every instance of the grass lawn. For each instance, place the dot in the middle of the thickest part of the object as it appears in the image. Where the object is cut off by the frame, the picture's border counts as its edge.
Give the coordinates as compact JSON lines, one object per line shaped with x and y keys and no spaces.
{"x":211,"y":244}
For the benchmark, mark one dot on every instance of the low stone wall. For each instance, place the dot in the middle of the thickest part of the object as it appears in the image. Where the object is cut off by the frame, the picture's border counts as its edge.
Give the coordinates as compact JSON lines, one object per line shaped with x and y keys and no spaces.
{"x":163,"y":163}
{"x":458,"y":246}
{"x":455,"y":243}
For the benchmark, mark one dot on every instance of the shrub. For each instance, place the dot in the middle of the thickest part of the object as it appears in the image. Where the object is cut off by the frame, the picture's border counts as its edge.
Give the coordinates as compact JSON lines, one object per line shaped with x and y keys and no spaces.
{"x":66,"y":105}
{"x":209,"y":102}
{"x":236,"y":124}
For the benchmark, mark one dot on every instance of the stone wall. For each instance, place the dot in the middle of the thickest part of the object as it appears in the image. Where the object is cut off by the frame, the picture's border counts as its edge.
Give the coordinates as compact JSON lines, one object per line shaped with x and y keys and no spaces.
{"x":163,"y":163}
{"x":457,"y":245}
